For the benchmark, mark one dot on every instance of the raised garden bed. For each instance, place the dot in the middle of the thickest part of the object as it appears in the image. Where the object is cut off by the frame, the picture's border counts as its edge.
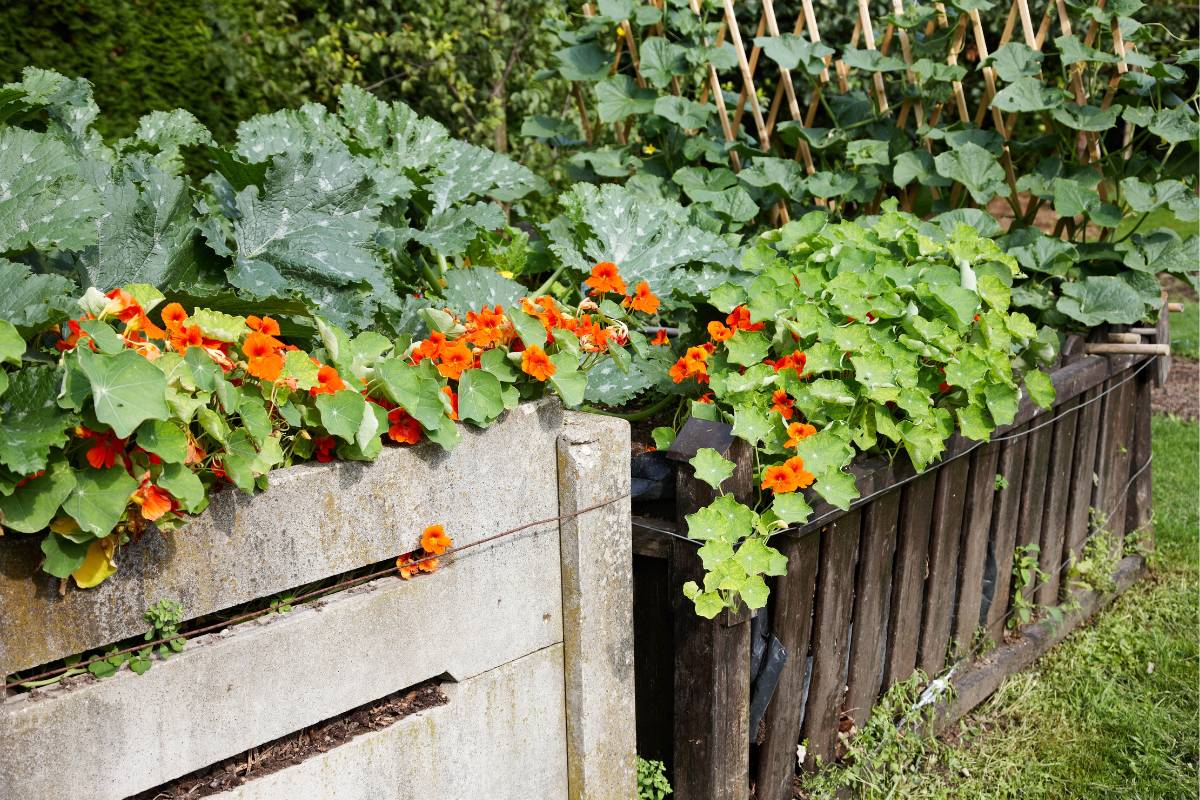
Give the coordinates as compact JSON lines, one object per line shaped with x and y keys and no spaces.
{"x":918,"y":574}
{"x":528,"y":634}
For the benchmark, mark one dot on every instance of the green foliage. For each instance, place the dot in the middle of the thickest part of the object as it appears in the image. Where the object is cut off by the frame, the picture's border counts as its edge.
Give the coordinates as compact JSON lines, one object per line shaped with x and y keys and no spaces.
{"x":652,"y":781}
{"x":1027,"y":575}
{"x":1113,"y":161}
{"x":884,"y":338}
{"x":345,"y":211}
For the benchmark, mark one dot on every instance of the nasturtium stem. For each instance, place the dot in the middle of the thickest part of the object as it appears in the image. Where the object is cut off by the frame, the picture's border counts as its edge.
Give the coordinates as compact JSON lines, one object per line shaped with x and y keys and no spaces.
{"x":635,"y":416}
{"x":545,"y":287}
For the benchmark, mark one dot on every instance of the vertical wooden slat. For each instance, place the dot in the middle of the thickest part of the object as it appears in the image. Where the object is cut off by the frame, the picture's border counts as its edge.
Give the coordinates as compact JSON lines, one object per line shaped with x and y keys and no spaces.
{"x":1140,"y":502}
{"x":908,"y":578}
{"x":868,"y":640}
{"x":792,"y":598}
{"x":1118,"y":424}
{"x":1033,"y":489}
{"x":1083,"y":472}
{"x":945,"y":535}
{"x":972,"y":560}
{"x":830,"y":639}
{"x":1054,"y":516}
{"x":1005,"y":510}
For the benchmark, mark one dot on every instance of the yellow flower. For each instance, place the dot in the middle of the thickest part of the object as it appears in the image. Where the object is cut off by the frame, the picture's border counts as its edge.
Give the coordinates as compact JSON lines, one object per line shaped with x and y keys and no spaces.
{"x":649,"y":150}
{"x":98,"y":565}
{"x":620,"y":31}
{"x":506,"y":273}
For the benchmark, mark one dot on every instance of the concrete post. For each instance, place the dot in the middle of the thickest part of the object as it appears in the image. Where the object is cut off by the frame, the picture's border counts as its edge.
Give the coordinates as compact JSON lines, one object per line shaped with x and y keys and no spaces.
{"x":597,"y":587}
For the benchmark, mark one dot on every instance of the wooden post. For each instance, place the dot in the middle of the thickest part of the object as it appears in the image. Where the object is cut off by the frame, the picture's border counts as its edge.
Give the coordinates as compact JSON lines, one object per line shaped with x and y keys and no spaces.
{"x":908,"y":578}
{"x":712,"y":657}
{"x":977,"y":524}
{"x":1054,"y":517}
{"x":944,"y":538}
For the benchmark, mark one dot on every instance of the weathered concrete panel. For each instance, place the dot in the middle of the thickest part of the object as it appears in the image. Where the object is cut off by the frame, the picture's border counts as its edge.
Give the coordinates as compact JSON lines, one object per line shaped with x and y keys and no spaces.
{"x":315,"y":521}
{"x":597,"y":577}
{"x":499,"y":738}
{"x":231,"y":691}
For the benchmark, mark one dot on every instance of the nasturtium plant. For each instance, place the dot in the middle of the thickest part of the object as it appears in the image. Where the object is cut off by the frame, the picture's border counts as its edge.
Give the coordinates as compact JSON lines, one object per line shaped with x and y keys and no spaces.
{"x":134,"y":411}
{"x":887,"y":337}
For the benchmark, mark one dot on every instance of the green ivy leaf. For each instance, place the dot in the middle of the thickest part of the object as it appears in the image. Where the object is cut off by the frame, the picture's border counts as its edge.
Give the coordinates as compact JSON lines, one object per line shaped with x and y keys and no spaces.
{"x":711,"y":467}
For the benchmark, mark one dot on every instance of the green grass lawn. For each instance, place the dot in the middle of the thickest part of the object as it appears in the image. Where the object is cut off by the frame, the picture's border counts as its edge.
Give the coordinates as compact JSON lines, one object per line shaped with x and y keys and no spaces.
{"x":1110,"y":713}
{"x":1185,"y":330}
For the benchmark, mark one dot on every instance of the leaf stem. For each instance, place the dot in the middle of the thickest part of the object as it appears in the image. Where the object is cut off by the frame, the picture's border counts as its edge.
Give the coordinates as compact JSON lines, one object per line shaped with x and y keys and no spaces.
{"x":634,"y":416}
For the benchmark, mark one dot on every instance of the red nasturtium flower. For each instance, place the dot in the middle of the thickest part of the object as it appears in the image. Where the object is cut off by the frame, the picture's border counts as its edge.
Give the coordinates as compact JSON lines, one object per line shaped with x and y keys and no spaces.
{"x":323,"y":448}
{"x":402,"y":428}
{"x":103,"y":454}
{"x":797,"y":432}
{"x":660,"y":339}
{"x":642,"y":299}
{"x":535,"y":363}
{"x":605,"y":278}
{"x":782,"y":403}
{"x":739,"y":318}
{"x":435,"y":541}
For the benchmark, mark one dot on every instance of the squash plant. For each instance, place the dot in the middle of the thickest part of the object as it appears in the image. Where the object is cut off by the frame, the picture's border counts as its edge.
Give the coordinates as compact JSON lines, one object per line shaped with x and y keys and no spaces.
{"x":886,"y":337}
{"x":134,"y":411}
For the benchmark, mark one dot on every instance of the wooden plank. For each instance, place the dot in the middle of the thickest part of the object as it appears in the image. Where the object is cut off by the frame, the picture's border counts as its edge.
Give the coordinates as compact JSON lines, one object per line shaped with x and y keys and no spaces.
{"x":868,"y":640}
{"x":1069,"y":381}
{"x":908,"y":578}
{"x":1033,"y":489}
{"x":654,"y":655}
{"x":830,"y":637}
{"x":792,"y":598}
{"x":1005,"y":510}
{"x":977,"y":526}
{"x":944,"y":538}
{"x":1083,"y":472}
{"x":712,"y":661}
{"x":1140,"y":502}
{"x":1058,"y":490}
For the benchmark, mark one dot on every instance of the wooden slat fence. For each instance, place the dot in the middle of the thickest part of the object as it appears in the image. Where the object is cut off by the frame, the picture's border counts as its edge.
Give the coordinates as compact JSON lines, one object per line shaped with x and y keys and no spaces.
{"x":917,"y":575}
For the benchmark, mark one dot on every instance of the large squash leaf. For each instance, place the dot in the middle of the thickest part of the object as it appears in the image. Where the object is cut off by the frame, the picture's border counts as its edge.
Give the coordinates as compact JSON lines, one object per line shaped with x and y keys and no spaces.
{"x":31,"y":419}
{"x":44,"y":203}
{"x":32,"y":301}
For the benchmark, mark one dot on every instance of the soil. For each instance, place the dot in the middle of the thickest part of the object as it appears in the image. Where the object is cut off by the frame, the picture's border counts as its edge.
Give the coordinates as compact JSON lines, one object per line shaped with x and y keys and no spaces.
{"x":296,"y":747}
{"x":1181,"y":396}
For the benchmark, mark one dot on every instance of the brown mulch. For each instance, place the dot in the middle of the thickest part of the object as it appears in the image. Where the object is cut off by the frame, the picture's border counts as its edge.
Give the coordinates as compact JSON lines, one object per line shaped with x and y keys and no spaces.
{"x":296,"y":747}
{"x":1181,"y":396}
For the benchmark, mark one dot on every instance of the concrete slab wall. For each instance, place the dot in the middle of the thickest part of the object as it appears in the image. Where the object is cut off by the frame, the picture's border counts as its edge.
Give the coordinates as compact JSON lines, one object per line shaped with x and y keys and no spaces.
{"x":499,"y":738}
{"x":314,"y":521}
{"x":533,"y":631}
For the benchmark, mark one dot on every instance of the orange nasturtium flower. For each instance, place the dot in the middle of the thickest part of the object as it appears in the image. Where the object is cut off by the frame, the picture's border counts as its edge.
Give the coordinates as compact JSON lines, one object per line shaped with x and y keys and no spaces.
{"x":535,"y":363}
{"x":740,"y":318}
{"x":328,"y":381}
{"x":660,"y":339}
{"x":154,"y":502}
{"x":406,"y":566}
{"x":435,"y":541}
{"x":456,"y":359}
{"x":693,"y":364}
{"x":262,"y":352}
{"x":718,"y":332}
{"x":782,"y":403}
{"x":642,"y":299}
{"x":798,"y":431}
{"x":103,"y":454}
{"x":787,"y":477}
{"x":173,"y":316}
{"x":402,"y":427}
{"x":605,"y":278}
{"x":263,"y":325}
{"x":453,"y":398}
